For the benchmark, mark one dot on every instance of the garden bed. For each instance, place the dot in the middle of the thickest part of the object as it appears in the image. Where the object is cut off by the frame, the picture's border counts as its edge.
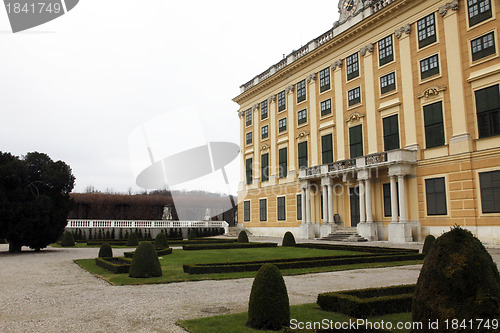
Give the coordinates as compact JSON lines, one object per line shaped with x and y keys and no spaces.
{"x":159,"y":253}
{"x":116,"y":265}
{"x":197,"y":247}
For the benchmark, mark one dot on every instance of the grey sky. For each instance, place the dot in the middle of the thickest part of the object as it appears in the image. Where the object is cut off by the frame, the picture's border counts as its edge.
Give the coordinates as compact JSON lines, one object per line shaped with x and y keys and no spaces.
{"x":76,"y":87}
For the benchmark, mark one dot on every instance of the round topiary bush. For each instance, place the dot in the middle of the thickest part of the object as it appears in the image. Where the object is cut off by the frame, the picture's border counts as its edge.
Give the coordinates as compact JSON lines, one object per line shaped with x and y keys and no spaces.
{"x":132,"y":240}
{"x":67,"y":239}
{"x":428,"y":244}
{"x":145,"y":262}
{"x":105,"y":251}
{"x":458,"y":280}
{"x":192,"y":234}
{"x":288,"y":239}
{"x":268,"y":307}
{"x":242,"y":237}
{"x":161,"y":241}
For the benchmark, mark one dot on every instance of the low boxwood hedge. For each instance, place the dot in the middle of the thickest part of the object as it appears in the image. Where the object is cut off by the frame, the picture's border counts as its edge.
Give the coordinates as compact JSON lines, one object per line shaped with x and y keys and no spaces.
{"x":366,"y":303}
{"x":358,"y":248}
{"x":115,"y":265}
{"x":160,"y":253}
{"x":293,"y":263}
{"x":195,"y":247}
{"x":202,"y":241}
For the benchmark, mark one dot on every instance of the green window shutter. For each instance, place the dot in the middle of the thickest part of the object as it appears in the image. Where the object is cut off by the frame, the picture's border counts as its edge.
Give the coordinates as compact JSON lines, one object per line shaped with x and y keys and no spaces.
{"x":264,"y":167}
{"x":436,"y":196}
{"x":490,"y":191}
{"x":326,"y":149}
{"x":302,"y":148}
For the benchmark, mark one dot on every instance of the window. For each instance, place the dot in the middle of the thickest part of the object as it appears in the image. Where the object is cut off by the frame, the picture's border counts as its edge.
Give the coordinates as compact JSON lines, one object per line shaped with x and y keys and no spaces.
{"x":246,"y":210}
{"x":436,"y":196}
{"x":426,"y":31}
{"x":391,"y":132}
{"x":326,"y":107}
{"x":353,"y":96}
{"x":352,"y":66}
{"x":281,"y":209}
{"x":324,"y":80}
{"x":479,"y":10}
{"x":263,"y":110}
{"x":387,"y":83}
{"x":488,"y":111}
{"x":264,"y":167}
{"x":299,"y":206}
{"x":326,"y":149}
{"x":264,"y":132}
{"x":281,"y":101}
{"x":301,"y":91}
{"x":483,"y":46}
{"x":429,"y":67}
{"x":356,"y":141}
{"x":263,"y":209}
{"x":249,"y":138}
{"x":302,"y":148}
{"x":302,"y":116}
{"x":433,"y":122}
{"x":248,"y":117}
{"x":283,"y":165}
{"x":248,"y":168}
{"x":385,"y":51}
{"x":282,"y":125}
{"x":490,"y":191}
{"x":387,"y":199}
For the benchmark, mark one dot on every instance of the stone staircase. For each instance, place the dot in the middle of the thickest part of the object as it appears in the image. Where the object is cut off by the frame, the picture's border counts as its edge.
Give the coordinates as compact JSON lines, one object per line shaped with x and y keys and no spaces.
{"x":344,"y":234}
{"x":235,"y":231}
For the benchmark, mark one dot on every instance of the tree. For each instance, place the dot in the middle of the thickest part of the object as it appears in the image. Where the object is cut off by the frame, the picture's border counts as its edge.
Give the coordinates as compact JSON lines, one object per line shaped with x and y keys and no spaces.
{"x":34,"y":199}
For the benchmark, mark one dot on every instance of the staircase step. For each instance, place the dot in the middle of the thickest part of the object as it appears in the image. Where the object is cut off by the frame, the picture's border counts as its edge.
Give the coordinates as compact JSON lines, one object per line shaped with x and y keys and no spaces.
{"x":344,"y":234}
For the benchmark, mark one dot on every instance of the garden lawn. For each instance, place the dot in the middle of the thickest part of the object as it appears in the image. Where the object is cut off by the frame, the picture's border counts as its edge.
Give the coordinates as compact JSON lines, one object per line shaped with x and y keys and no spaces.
{"x":173,"y":271}
{"x":235,"y":323}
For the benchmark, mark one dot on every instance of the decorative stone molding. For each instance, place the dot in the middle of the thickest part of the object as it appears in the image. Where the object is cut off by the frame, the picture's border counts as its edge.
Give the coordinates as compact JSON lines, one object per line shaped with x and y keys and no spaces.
{"x":354,"y":117}
{"x":255,"y":107}
{"x":271,"y":99}
{"x":406,"y":29}
{"x":241,"y":114}
{"x":453,"y":5}
{"x":302,"y":135}
{"x":290,"y":89}
{"x":338,"y":64}
{"x":431,"y":92}
{"x":364,"y":50}
{"x":311,"y":77}
{"x":265,"y":147}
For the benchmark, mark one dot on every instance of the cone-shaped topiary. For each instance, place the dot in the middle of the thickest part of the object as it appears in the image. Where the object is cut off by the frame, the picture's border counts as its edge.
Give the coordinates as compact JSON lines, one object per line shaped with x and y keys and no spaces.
{"x":133,"y":240}
{"x":268,"y":307}
{"x":242,"y":237}
{"x":192,"y":234}
{"x":105,"y":251}
{"x":288,"y":239}
{"x":67,"y":239}
{"x":458,"y":280}
{"x":161,"y":241}
{"x":145,"y":262}
{"x":428,"y":244}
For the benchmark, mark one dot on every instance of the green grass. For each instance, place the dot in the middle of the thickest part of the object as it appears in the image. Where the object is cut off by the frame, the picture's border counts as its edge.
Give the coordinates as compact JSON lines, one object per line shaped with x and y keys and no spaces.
{"x":305,"y":313}
{"x":173,"y":271}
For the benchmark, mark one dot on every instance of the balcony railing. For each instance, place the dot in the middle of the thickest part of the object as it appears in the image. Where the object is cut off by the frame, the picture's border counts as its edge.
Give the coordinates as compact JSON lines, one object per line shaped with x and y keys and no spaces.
{"x":142,"y":224}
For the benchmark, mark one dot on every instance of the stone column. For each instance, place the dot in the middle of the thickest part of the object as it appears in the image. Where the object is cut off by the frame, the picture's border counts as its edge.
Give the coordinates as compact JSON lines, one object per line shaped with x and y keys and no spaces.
{"x":242,"y":183}
{"x":362,"y":210}
{"x":313,"y":118}
{"x":308,"y":204}
{"x":290,"y":125}
{"x":402,"y":199}
{"x":330,"y":202}
{"x":367,"y":53}
{"x":394,"y":199}
{"x":303,"y":205}
{"x":339,"y":108}
{"x":325,"y":204}
{"x":255,"y":142}
{"x":273,"y":156}
{"x":368,"y":195}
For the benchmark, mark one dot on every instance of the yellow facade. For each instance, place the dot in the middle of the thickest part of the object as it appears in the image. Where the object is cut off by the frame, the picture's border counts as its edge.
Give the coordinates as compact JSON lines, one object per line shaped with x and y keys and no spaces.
{"x":438,"y":74}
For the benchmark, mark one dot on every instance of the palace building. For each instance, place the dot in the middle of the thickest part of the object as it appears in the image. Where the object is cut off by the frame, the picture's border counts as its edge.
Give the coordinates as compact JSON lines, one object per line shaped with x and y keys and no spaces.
{"x":389,"y":122}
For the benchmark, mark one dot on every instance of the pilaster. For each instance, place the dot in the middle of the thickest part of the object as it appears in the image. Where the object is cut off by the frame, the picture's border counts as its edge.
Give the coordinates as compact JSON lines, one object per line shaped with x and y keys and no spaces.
{"x":367,"y":53}
{"x":291,"y":132}
{"x":313,"y":119}
{"x":273,"y":155}
{"x":241,"y":115}
{"x":256,"y":144}
{"x":339,"y":108}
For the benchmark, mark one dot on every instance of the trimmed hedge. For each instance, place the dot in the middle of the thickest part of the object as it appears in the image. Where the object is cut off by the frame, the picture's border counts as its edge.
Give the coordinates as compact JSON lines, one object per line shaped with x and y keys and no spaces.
{"x":133,"y":240}
{"x":428,"y":244}
{"x":288,"y":239}
{"x":251,"y":266}
{"x":358,"y":248}
{"x":67,"y":239}
{"x":242,"y":237}
{"x":159,"y":253}
{"x":202,"y":241}
{"x":227,"y":246}
{"x":116,"y":265}
{"x":145,"y":263}
{"x":367,"y":303}
{"x":161,"y":241}
{"x":105,"y":251}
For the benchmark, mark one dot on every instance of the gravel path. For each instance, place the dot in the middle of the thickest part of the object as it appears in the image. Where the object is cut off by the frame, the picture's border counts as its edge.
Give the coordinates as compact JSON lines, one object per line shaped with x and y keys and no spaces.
{"x":47,"y":292}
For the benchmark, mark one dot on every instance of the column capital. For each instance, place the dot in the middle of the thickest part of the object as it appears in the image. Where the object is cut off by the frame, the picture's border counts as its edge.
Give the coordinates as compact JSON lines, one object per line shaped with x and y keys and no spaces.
{"x":304,"y":184}
{"x":406,"y":29}
{"x":256,"y":107}
{"x":311,"y":78}
{"x":453,"y":5}
{"x":271,"y":99}
{"x":290,"y":89}
{"x":366,"y":50}
{"x":241,"y":114}
{"x":337,"y":64}
{"x":326,"y":181}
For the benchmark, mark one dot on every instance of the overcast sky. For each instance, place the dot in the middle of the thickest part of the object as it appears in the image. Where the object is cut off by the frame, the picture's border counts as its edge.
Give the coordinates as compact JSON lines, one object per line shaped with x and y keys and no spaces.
{"x":77,"y":87}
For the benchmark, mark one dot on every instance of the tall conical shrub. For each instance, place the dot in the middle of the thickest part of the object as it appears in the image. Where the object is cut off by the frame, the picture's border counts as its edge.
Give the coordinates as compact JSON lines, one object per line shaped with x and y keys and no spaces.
{"x":145,"y":262}
{"x":161,"y":241}
{"x":132,"y":240}
{"x":288,"y":239}
{"x":68,"y":239}
{"x":105,"y":251}
{"x":268,"y":307}
{"x":458,"y":280}
{"x":428,"y":244}
{"x":242,"y":237}
{"x":192,"y":234}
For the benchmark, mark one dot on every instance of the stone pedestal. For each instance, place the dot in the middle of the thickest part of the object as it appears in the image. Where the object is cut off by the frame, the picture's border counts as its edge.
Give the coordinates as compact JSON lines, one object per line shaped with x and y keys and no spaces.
{"x":400,"y":232}
{"x":368,"y":230}
{"x":307,"y":230}
{"x":325,"y":229}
